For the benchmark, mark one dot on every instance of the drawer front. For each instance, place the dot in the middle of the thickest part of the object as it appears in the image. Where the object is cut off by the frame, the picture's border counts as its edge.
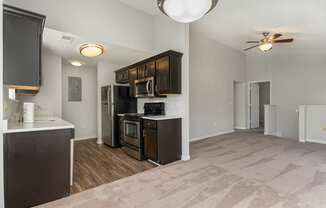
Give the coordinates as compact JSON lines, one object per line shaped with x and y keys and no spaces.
{"x":150,"y":124}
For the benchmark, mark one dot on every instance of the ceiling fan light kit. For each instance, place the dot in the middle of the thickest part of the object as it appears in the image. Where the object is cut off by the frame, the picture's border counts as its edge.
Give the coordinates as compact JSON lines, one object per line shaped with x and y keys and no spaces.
{"x":266,"y":47}
{"x":266,"y":44}
{"x":186,"y":11}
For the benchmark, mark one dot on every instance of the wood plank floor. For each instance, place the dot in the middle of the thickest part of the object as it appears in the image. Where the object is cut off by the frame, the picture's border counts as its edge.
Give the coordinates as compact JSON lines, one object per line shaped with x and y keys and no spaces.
{"x":95,"y":165}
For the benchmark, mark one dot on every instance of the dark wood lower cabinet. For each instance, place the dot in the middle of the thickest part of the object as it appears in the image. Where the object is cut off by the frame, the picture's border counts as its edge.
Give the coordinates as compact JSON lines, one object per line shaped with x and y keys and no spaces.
{"x":162,"y":140}
{"x":37,"y":167}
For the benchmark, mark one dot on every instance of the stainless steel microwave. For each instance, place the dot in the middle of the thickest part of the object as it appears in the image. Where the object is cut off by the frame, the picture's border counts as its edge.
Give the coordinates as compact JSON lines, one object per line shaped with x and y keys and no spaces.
{"x":145,"y":87}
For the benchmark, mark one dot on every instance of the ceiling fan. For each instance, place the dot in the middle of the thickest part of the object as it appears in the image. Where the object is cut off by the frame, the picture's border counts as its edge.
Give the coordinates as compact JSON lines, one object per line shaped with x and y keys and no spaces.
{"x":266,"y":44}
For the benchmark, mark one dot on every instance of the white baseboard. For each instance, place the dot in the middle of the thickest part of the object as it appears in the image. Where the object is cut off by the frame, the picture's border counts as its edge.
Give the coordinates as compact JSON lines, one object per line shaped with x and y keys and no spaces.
{"x":185,"y":157}
{"x":85,"y":138}
{"x":315,"y":141}
{"x":210,"y":135}
{"x":99,"y":141}
{"x":241,"y":127}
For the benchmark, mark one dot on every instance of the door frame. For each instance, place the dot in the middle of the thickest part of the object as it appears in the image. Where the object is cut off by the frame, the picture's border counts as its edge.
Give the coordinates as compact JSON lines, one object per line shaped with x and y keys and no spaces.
{"x":249,"y":98}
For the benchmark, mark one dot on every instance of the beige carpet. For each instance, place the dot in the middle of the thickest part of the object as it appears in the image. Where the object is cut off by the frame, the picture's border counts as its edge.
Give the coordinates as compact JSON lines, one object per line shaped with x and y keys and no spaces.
{"x":239,"y":170}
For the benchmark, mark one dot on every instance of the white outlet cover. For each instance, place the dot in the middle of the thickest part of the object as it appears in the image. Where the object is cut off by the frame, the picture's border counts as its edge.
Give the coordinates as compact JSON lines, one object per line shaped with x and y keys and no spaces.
{"x":12,"y":94}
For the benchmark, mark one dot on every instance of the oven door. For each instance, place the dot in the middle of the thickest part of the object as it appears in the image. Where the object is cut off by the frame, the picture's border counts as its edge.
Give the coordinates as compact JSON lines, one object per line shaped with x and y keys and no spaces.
{"x":132,"y":133}
{"x":145,"y":87}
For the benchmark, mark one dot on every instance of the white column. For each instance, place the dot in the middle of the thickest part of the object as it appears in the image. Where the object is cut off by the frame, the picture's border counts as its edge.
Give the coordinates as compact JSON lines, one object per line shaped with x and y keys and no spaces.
{"x":270,"y":119}
{"x":302,"y":123}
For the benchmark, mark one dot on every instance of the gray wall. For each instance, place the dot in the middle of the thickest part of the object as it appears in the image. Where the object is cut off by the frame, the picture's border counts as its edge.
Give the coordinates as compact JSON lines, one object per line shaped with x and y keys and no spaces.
{"x":296,"y":80}
{"x":240,"y":105}
{"x":82,"y":114}
{"x":49,"y":97}
{"x":213,"y":70}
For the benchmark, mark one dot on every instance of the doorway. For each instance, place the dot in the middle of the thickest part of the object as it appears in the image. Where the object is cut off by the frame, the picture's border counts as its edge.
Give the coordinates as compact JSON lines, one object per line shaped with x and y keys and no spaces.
{"x":259,"y":96}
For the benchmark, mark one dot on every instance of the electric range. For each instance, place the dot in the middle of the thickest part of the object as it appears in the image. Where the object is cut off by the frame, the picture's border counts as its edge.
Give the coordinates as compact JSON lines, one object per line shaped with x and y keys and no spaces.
{"x":133,"y":129}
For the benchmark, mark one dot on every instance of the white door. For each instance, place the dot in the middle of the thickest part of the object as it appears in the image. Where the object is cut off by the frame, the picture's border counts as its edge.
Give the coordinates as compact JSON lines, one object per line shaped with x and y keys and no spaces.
{"x":254,"y":106}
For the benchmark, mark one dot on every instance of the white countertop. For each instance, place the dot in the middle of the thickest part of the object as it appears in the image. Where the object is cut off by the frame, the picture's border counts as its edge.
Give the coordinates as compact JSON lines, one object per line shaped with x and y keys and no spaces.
{"x":40,"y":124}
{"x":164,"y":117}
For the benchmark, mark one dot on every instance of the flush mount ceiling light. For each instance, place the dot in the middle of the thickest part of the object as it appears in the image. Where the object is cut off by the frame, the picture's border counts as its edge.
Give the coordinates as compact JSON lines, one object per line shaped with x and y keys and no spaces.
{"x":76,"y":63}
{"x":91,"y":49}
{"x":186,"y":11}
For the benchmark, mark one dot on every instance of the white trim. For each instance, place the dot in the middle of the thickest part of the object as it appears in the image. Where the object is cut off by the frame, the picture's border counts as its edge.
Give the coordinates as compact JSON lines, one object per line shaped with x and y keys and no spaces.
{"x":85,"y":138}
{"x":185,"y":157}
{"x":99,"y":141}
{"x":71,"y":162}
{"x":302,"y":123}
{"x":155,"y":163}
{"x":314,"y":141}
{"x":241,"y":127}
{"x":211,"y":135}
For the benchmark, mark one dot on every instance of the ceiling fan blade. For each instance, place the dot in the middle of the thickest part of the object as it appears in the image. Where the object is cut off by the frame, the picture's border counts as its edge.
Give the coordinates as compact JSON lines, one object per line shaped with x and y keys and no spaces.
{"x":256,"y":41}
{"x":250,"y":47}
{"x":290,"y":40}
{"x":275,"y":36}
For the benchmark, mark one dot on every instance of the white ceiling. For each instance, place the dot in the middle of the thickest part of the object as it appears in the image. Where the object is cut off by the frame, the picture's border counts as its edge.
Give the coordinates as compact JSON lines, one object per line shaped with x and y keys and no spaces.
{"x":233,"y":22}
{"x":69,"y":49}
{"x":148,"y":6}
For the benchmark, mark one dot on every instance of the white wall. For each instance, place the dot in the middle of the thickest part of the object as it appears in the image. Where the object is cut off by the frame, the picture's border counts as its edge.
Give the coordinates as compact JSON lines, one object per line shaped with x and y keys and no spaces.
{"x":1,"y":112}
{"x":213,"y":70}
{"x":295,"y":80}
{"x":50,"y":94}
{"x":171,"y":35}
{"x":240,"y":105}
{"x":313,"y":123}
{"x":105,"y":76}
{"x":107,"y":21}
{"x":82,"y":114}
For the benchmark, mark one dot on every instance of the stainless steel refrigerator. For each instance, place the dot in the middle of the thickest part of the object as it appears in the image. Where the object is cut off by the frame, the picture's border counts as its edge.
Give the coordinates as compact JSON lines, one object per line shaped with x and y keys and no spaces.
{"x":115,"y":100}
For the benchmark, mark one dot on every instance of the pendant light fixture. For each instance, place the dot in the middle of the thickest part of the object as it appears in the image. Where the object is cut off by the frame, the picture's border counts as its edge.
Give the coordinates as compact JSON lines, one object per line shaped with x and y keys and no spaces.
{"x":186,"y":11}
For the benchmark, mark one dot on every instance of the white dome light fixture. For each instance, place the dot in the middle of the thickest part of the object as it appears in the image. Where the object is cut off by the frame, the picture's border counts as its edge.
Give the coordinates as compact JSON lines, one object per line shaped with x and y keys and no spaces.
{"x":76,"y":63}
{"x":186,"y":11}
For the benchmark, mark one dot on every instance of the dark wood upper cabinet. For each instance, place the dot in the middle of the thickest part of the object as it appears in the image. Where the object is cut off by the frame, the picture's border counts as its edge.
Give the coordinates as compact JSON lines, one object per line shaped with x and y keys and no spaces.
{"x":150,"y":69}
{"x":168,"y":74}
{"x":122,"y":76}
{"x":141,"y":70}
{"x":165,"y":68}
{"x":22,"y":45}
{"x":163,"y":78}
{"x":133,"y":75}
